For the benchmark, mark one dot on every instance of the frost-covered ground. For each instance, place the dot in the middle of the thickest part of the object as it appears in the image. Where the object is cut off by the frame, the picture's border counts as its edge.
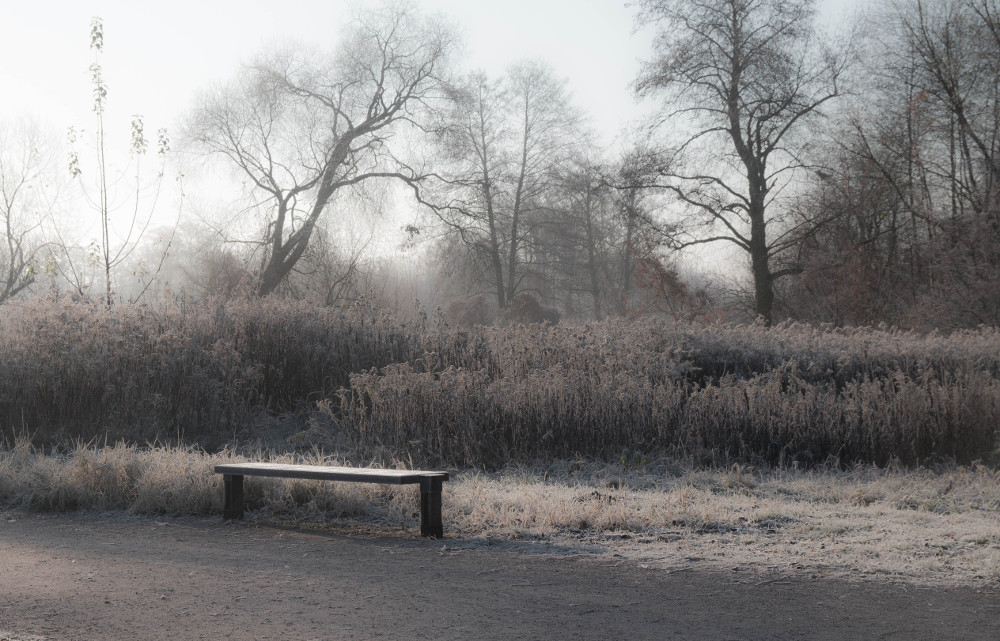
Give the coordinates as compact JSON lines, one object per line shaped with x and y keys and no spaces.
{"x":920,"y":526}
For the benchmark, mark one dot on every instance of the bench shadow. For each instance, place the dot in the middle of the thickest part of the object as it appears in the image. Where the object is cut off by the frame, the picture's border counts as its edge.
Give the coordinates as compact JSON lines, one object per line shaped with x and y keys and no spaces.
{"x":381,"y":535}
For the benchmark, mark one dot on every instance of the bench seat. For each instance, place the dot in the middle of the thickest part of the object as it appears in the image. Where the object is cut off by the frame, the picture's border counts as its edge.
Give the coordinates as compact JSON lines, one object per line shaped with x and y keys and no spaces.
{"x":430,"y":485}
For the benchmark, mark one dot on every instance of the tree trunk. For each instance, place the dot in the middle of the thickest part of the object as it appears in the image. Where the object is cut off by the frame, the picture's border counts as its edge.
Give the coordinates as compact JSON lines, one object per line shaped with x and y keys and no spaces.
{"x":762,"y":281}
{"x":497,"y":263}
{"x":592,"y":256}
{"x":518,"y":204}
{"x":759,"y":254}
{"x":627,"y":267}
{"x":285,"y":253}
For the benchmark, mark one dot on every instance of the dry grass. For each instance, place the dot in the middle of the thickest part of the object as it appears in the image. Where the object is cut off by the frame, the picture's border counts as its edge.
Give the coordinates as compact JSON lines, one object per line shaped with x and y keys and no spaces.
{"x":940,"y":527}
{"x":222,"y":371}
{"x":735,"y":394}
{"x":200,"y":373}
{"x":681,"y":446}
{"x":164,"y":480}
{"x":910,"y":526}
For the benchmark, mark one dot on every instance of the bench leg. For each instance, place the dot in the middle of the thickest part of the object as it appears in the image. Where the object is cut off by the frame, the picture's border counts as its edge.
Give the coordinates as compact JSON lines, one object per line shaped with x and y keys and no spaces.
{"x":430,"y":507}
{"x":233,"y":495}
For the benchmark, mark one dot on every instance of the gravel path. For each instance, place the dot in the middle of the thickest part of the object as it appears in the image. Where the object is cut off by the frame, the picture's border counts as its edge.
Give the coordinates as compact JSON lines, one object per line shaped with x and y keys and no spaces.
{"x":107,"y":577}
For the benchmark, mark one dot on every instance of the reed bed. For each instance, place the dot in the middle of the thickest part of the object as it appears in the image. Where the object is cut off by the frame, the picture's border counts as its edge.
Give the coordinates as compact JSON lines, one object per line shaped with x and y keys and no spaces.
{"x":191,"y":373}
{"x":633,"y":389}
{"x":221,"y":371}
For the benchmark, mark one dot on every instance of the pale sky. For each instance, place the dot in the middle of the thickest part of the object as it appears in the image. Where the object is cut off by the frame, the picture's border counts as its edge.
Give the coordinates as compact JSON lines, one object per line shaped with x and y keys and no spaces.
{"x":159,"y":54}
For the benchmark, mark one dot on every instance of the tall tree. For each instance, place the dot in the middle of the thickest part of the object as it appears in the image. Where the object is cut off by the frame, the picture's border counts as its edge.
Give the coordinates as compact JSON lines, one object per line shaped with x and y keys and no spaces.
{"x":914,"y":177}
{"x":633,"y":182}
{"x":501,"y":149}
{"x":301,"y":127}
{"x":742,"y":77}
{"x":954,"y":47}
{"x":588,"y":206}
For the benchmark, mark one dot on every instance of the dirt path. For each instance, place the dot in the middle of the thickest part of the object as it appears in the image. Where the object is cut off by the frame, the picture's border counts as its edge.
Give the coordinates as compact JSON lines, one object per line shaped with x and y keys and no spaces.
{"x":114,"y":577}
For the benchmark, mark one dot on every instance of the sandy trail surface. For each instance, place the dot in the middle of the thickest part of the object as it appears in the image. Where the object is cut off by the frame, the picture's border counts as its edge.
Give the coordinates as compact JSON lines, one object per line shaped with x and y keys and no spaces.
{"x":105,"y":577}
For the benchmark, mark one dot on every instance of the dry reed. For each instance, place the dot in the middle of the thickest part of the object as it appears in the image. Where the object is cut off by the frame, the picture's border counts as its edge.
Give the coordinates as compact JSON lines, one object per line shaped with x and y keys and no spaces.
{"x":784,"y":396}
{"x":215,"y":372}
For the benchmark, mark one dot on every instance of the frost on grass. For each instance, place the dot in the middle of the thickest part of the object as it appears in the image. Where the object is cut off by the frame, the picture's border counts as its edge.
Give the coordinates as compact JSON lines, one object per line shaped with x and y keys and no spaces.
{"x":772,"y":432}
{"x":922,"y":526}
{"x":225,"y":371}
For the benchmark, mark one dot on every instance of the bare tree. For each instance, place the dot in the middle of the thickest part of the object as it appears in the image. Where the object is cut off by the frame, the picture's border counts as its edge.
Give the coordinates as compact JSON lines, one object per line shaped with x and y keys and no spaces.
{"x":955,"y":50}
{"x":913,"y":182}
{"x":301,"y":126}
{"x":589,"y":205}
{"x":745,"y":76}
{"x":28,"y":196}
{"x":505,"y":139}
{"x":134,"y":213}
{"x":586,"y":239}
{"x":633,"y":181}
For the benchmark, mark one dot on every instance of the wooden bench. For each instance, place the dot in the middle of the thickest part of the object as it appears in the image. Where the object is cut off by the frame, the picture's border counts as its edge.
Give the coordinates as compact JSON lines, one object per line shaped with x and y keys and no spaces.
{"x":430,"y":485}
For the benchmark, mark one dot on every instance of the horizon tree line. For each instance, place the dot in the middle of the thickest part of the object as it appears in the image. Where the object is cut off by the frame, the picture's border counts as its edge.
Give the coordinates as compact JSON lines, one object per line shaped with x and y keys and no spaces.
{"x":858,"y":178}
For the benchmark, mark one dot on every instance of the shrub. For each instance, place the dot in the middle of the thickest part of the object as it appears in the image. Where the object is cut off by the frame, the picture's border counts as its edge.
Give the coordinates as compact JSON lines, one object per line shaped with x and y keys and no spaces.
{"x":781,"y":395}
{"x":209,"y":372}
{"x":72,"y":370}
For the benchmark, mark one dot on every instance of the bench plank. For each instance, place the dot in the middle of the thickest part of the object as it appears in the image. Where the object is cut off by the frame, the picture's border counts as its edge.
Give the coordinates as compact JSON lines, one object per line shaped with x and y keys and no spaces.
{"x":327,"y":473}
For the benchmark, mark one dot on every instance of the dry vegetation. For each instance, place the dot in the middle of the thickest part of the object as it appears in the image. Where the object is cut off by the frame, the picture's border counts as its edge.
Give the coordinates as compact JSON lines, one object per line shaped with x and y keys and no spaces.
{"x":223,"y":371}
{"x":914,"y":526}
{"x":825,"y":451}
{"x":190,"y":373}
